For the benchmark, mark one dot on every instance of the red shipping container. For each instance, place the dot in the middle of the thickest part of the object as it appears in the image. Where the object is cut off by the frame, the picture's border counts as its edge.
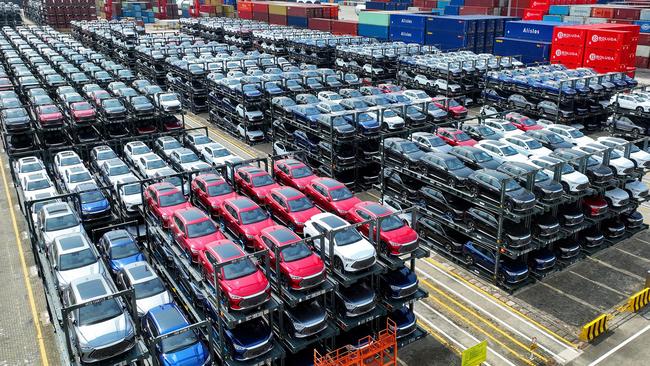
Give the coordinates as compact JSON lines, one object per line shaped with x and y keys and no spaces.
{"x":602,"y":12}
{"x":644,"y":39}
{"x":533,"y":14}
{"x":430,"y":4}
{"x":540,"y":5}
{"x":610,"y":39}
{"x":345,"y":27}
{"x":628,"y":27}
{"x":305,"y":11}
{"x":245,"y":6}
{"x":562,"y":54}
{"x":472,"y":10}
{"x":418,"y":3}
{"x":627,"y":13}
{"x":569,"y":36}
{"x":320,"y":24}
{"x":604,"y":60}
{"x":482,"y":3}
{"x":260,"y":7}
{"x":278,"y":19}
{"x":245,"y":14}
{"x":261,"y":16}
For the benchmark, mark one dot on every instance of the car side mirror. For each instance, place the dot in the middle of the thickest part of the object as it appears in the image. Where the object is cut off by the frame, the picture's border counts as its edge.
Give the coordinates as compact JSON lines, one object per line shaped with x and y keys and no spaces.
{"x":329,"y":199}
{"x":219,"y":276}
{"x":74,"y":321}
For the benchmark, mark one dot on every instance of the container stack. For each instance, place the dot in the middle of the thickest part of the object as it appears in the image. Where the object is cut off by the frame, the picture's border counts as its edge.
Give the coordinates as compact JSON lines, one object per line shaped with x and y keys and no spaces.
{"x":388,"y":4}
{"x":285,"y":13}
{"x":603,"y":47}
{"x":374,"y":24}
{"x":528,"y":40}
{"x":138,"y":10}
{"x":58,"y":15}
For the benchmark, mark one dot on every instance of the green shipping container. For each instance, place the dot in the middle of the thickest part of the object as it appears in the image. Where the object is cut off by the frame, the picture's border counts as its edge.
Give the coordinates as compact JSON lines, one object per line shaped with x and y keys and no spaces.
{"x":380,"y":18}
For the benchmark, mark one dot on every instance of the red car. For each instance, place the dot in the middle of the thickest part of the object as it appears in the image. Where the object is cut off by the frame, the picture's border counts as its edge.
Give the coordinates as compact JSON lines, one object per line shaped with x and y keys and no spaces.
{"x":171,"y":123}
{"x":193,"y":230}
{"x":594,"y":206}
{"x":242,"y":282}
{"x":395,"y":236}
{"x":163,"y":199}
{"x":331,"y":195}
{"x":211,"y":190}
{"x":389,"y":88}
{"x":522,"y":122}
{"x":452,"y":107}
{"x":291,"y":207}
{"x":299,"y":266}
{"x":294,"y":173}
{"x":455,"y":137}
{"x":254,"y":182}
{"x":245,"y":219}
{"x":49,"y":115}
{"x":82,"y":112}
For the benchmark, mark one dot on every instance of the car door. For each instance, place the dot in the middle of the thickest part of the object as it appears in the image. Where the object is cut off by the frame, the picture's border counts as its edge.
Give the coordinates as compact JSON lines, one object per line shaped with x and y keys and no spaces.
{"x":484,"y":258}
{"x":279,"y":208}
{"x":178,"y":229}
{"x":198,"y":187}
{"x":270,"y":245}
{"x":245,"y":182}
{"x":319,"y":195}
{"x":231,"y":218}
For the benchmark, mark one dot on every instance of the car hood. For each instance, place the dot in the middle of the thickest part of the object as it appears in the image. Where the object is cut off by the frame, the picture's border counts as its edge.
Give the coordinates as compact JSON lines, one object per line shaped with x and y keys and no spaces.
{"x":357,"y":251}
{"x":575,"y":177}
{"x":148,"y":303}
{"x":346,"y":205}
{"x":303,"y":216}
{"x":196,"y":354}
{"x":636,"y":186}
{"x":49,"y":236}
{"x":17,"y":120}
{"x":87,"y":113}
{"x":66,"y":276}
{"x":305,"y":267}
{"x":491,"y":164}
{"x":105,"y":333}
{"x":247,"y":285}
{"x":617,"y":194}
{"x":462,"y":173}
{"x":100,"y":205}
{"x":521,"y":195}
{"x":402,"y":235}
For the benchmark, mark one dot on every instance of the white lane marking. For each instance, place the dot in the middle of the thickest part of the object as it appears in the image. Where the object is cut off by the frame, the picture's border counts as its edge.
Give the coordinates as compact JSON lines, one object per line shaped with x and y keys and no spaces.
{"x":621,"y":345}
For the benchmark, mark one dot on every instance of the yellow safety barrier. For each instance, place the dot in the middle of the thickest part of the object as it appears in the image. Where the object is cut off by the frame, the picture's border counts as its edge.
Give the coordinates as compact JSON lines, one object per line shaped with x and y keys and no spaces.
{"x":594,"y":328}
{"x":637,"y":301}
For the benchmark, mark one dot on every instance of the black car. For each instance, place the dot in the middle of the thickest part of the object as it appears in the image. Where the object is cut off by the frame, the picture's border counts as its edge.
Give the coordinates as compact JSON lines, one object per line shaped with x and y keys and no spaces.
{"x":15,"y":119}
{"x":474,"y":157}
{"x":446,"y":167}
{"x":355,"y":300}
{"x":450,"y":239}
{"x":633,"y":220}
{"x":591,"y":238}
{"x":545,"y":226}
{"x":402,"y":184}
{"x":595,"y":171}
{"x":515,"y":234}
{"x":306,"y":319}
{"x":544,"y":187}
{"x":399,"y":283}
{"x":342,"y":156}
{"x":567,"y":249}
{"x":489,"y":182}
{"x":549,"y":139}
{"x":481,"y":132}
{"x":570,"y":215}
{"x":402,"y":150}
{"x":447,"y":205}
{"x":613,"y":228}
{"x":492,"y":95}
{"x":113,"y":109}
{"x":542,"y":260}
{"x":141,"y":106}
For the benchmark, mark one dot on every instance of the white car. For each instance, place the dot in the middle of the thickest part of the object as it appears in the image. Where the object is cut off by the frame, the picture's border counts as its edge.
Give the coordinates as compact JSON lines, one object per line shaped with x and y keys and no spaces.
{"x":76,"y":176}
{"x":502,"y":126}
{"x":251,"y":114}
{"x":329,"y":96}
{"x":114,"y":169}
{"x":621,"y":166}
{"x":430,"y":142}
{"x":73,"y":256}
{"x":571,"y":134}
{"x":37,"y":183}
{"x":617,"y":197}
{"x":215,"y":154}
{"x":572,"y":180}
{"x":279,"y":148}
{"x":129,"y":192}
{"x":150,"y":291}
{"x":372,"y":70}
{"x":36,"y":207}
{"x":148,"y":164}
{"x":526,"y":145}
{"x":165,"y":145}
{"x":186,"y":160}
{"x":392,"y":121}
{"x":422,"y":80}
{"x":198,"y":140}
{"x":56,"y":219}
{"x":28,"y":165}
{"x":637,"y":189}
{"x":352,"y":252}
{"x":134,"y":149}
{"x":633,"y":102}
{"x":250,"y":134}
{"x":501,"y":150}
{"x":416,"y":96}
{"x":168,"y":102}
{"x":442,"y":85}
{"x":640,"y":157}
{"x":66,"y":160}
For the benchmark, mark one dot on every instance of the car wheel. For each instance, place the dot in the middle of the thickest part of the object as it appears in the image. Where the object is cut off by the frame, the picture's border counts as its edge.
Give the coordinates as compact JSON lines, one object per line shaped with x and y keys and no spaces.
{"x":528,"y":107}
{"x":452,"y":182}
{"x":509,"y":206}
{"x":448,"y":248}
{"x":469,"y":260}
{"x":565,"y":187}
{"x":610,"y":129}
{"x":501,"y":278}
{"x":639,"y":109}
{"x":338,"y":264}
{"x":635,"y":132}
{"x":473,"y":191}
{"x":471,"y":225}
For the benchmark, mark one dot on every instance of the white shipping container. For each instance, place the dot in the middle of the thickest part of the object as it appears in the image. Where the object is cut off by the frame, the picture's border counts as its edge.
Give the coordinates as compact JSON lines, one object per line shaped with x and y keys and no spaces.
{"x":574,"y":19}
{"x":643,"y":51}
{"x":645,"y":14}
{"x":595,"y":20}
{"x":580,"y":10}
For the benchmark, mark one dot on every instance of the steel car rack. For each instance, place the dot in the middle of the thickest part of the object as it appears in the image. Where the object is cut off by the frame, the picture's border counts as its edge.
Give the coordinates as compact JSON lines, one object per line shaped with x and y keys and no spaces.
{"x":202,"y":327}
{"x":295,"y":345}
{"x":639,"y":112}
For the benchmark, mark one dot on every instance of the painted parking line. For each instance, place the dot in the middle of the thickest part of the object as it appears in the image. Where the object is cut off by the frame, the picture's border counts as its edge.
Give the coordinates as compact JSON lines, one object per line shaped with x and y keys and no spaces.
{"x":619,"y":346}
{"x":23,"y":264}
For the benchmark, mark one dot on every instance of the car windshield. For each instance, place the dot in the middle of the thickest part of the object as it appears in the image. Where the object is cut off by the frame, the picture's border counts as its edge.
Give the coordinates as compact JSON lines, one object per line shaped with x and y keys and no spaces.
{"x":421,"y":95}
{"x":347,"y":236}
{"x":462,"y":136}
{"x":391,"y":223}
{"x":140,"y":149}
{"x":131,"y":189}
{"x":220,"y":153}
{"x":38,"y":184}
{"x":300,"y":204}
{"x":91,"y":196}
{"x":364,"y":117}
{"x":482,"y":156}
{"x":71,"y":160}
{"x":189,"y":158}
{"x":239,"y":268}
{"x":508,"y":150}
{"x":527,"y":122}
{"x":61,"y":222}
{"x":301,"y":172}
{"x":511,"y":185}
{"x":76,"y":259}
{"x":485,"y":131}
{"x":554,"y":138}
{"x":167,"y":97}
{"x":509,"y":127}
{"x":125,"y":250}
{"x":31,"y":167}
{"x":112,"y":103}
{"x":335,"y":107}
{"x":172,"y":199}
{"x":533,"y":144}
{"x":389,"y":113}
{"x":540,"y":176}
{"x":340,"y":194}
{"x":310,"y":111}
{"x":410,"y":148}
{"x":15,"y":113}
{"x":149,"y":288}
{"x":171,"y":145}
{"x":106,"y":154}
{"x":155,"y":164}
{"x":99,"y":312}
{"x":200,"y":229}
{"x":454,"y":164}
{"x":262,"y":180}
{"x":80,"y":177}
{"x":575,"y":134}
{"x":253,"y":216}
{"x":119,"y":170}
{"x":452,"y":103}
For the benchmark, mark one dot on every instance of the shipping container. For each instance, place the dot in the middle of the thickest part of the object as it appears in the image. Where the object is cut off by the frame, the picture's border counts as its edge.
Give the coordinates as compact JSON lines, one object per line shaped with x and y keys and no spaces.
{"x":341,"y":27}
{"x":408,"y":20}
{"x":279,"y":9}
{"x":559,"y":10}
{"x":374,"y":31}
{"x":407,"y":34}
{"x":320,"y":24}
{"x":644,"y":24}
{"x":530,"y":51}
{"x":604,"y":60}
{"x":602,"y":12}
{"x":571,"y":55}
{"x":627,"y":13}
{"x":378,"y":18}
{"x":278,"y":19}
{"x":609,"y":39}
{"x":580,"y":10}
{"x":297,"y":21}
{"x":533,"y":31}
{"x":451,"y":24}
{"x":569,"y":36}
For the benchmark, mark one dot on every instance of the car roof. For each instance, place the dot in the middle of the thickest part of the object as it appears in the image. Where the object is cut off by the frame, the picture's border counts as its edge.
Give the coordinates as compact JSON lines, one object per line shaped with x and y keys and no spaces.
{"x":115,"y":235}
{"x":332,"y":221}
{"x":71,"y":242}
{"x":57,"y":208}
{"x":228,"y":250}
{"x":281,"y":234}
{"x":288,"y":192}
{"x":329,"y":182}
{"x":242,"y":203}
{"x":139,"y":271}
{"x":90,"y":287}
{"x":191,"y":214}
{"x":167,"y":318}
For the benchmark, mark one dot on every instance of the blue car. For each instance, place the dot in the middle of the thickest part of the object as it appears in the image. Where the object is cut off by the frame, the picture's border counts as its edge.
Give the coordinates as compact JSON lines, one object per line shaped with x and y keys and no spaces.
{"x":180,"y":349}
{"x":305,"y":140}
{"x":405,"y":321}
{"x":553,"y":87}
{"x":249,"y":340}
{"x":493,"y":95}
{"x":119,"y":248}
{"x":365,"y":122}
{"x":307,"y":114}
{"x":399,"y":283}
{"x":94,"y":205}
{"x":510,"y":272}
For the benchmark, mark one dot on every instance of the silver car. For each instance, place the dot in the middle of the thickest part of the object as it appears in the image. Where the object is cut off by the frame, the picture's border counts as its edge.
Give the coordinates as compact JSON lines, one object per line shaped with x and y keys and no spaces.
{"x":637,"y":189}
{"x":150,"y":291}
{"x":73,"y":256}
{"x":617,"y":197}
{"x":102,"y":329}
{"x":54,"y":220}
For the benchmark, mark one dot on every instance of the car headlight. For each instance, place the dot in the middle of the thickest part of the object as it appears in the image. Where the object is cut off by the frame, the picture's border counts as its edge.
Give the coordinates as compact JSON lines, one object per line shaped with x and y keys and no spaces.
{"x":165,"y":216}
{"x":294,"y":277}
{"x":234,"y":297}
{"x":239,"y":348}
{"x":214,"y":205}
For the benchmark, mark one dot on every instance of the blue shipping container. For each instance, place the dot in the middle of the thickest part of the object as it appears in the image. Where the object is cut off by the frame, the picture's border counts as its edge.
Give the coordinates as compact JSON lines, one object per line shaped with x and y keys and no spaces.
{"x":297,"y":21}
{"x":644,"y":24}
{"x":552,"y":18}
{"x":457,"y":2}
{"x":375,"y":5}
{"x":407,"y":34}
{"x":531,"y":30}
{"x":448,"y":41}
{"x":530,"y":51}
{"x":452,"y":9}
{"x":374,"y":31}
{"x":451,"y":24}
{"x":408,"y":20}
{"x":559,"y":10}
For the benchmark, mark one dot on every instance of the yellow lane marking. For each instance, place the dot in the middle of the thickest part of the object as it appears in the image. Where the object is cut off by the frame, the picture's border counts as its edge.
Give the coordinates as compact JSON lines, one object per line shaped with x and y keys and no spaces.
{"x":478,"y":316}
{"x":459,"y":277}
{"x":487,"y":334}
{"x":439,"y":337}
{"x":245,"y":149}
{"x":23,"y":264}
